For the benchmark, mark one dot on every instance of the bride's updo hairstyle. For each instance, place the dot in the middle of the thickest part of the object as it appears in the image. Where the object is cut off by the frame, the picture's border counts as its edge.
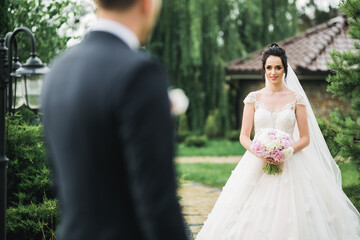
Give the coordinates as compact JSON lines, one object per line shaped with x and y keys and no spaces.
{"x":274,"y":50}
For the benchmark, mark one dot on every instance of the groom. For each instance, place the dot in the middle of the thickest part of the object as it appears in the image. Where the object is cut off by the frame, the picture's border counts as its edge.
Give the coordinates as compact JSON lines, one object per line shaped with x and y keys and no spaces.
{"x":109,"y":132}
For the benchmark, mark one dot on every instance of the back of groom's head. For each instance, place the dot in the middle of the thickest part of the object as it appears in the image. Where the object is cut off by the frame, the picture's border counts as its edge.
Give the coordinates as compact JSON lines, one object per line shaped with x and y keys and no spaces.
{"x":116,"y":4}
{"x":137,"y":15}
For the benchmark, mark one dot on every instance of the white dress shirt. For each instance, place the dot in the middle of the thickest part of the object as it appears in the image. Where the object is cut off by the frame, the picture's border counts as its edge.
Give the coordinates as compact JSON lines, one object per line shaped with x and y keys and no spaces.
{"x":117,"y":29}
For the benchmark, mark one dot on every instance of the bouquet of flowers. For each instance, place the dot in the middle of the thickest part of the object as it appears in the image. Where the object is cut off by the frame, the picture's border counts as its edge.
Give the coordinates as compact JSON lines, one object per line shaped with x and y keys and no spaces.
{"x":273,"y":143}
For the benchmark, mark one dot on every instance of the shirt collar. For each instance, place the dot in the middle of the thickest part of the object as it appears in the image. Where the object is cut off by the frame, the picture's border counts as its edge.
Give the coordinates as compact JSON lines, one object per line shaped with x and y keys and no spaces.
{"x":117,"y":29}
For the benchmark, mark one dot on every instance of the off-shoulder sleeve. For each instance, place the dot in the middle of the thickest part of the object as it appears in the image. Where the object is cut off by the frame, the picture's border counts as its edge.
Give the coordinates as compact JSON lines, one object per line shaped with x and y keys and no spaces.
{"x":300,"y":99}
{"x":250,"y":98}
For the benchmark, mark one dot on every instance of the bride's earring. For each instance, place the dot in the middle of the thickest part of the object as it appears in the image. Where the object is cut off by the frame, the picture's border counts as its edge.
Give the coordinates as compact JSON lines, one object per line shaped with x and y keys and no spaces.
{"x":284,"y":79}
{"x":266,"y":80}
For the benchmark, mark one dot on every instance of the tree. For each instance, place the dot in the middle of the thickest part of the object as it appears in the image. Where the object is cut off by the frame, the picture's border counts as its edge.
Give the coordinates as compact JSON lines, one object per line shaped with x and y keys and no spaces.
{"x":195,"y":39}
{"x":50,"y":21}
{"x":345,"y":83}
{"x":311,"y":15}
{"x":4,"y":17}
{"x":261,"y":22}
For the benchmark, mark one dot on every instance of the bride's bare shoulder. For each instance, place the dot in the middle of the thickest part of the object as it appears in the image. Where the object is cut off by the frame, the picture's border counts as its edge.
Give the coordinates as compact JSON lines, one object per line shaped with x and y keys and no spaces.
{"x":260,"y":91}
{"x":291,"y":92}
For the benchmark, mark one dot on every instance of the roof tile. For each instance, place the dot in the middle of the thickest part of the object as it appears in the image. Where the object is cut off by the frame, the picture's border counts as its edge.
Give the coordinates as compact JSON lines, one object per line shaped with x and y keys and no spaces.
{"x":308,"y":51}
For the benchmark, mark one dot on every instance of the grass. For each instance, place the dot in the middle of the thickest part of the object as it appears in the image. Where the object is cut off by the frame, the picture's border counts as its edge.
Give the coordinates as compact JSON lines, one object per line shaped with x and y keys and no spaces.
{"x":212,"y":148}
{"x":210,"y":174}
{"x":216,"y":175}
{"x":350,"y":174}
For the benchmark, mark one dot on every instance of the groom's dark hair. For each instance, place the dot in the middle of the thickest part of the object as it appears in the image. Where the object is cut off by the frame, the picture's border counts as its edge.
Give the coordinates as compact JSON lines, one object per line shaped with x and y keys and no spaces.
{"x":274,"y":50}
{"x":116,"y":4}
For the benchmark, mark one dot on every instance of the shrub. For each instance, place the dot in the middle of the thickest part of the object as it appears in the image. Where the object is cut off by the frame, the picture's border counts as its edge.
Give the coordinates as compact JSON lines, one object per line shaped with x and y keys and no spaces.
{"x":183,"y":123}
{"x":181,"y":136}
{"x":196,"y":141}
{"x":183,"y":129}
{"x":233,"y":135}
{"x":329,"y":132}
{"x":32,"y":221}
{"x":353,"y":193}
{"x":32,"y":211}
{"x":27,"y":171}
{"x":212,"y":129}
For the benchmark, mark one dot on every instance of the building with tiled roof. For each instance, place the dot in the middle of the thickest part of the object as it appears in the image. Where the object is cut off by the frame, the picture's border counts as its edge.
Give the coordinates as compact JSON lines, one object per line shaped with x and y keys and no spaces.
{"x":307,"y":53}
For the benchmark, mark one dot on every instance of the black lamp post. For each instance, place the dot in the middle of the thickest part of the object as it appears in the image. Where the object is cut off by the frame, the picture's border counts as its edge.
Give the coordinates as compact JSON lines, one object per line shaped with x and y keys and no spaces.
{"x":19,"y":85}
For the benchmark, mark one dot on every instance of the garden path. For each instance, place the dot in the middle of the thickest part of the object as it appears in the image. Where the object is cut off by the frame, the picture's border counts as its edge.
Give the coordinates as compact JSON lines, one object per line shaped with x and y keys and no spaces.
{"x":198,"y":200}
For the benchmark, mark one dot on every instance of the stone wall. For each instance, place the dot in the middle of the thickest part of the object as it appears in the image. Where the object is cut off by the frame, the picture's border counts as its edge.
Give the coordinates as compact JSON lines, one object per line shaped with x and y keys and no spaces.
{"x":322,"y":102}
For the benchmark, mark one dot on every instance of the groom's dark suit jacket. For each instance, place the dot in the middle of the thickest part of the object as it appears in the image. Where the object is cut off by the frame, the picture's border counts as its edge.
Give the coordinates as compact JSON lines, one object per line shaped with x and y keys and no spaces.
{"x":110,"y":137}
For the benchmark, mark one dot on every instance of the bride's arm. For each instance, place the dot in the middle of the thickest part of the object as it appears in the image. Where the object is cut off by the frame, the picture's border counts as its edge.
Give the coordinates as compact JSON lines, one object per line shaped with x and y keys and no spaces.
{"x":302,"y":123}
{"x":246,"y":126}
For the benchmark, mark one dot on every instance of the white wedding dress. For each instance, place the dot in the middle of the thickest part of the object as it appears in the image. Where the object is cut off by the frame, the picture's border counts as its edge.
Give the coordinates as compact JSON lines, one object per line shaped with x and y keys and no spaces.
{"x":298,"y":204}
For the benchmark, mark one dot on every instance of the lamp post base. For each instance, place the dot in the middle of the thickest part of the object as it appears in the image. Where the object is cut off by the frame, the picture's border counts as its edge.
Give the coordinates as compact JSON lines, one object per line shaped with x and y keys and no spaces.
{"x":3,"y":187}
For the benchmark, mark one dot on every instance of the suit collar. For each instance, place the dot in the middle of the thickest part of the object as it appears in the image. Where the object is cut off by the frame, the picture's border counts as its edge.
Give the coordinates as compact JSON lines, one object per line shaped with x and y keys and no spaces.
{"x":119,"y":30}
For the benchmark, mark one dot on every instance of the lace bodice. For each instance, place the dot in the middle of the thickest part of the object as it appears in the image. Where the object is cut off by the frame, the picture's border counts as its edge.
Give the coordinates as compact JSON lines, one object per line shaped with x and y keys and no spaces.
{"x":283,"y":120}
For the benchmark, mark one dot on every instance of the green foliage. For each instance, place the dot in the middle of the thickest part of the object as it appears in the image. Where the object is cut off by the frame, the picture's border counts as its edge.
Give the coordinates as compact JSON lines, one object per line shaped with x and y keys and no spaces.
{"x":182,"y":129}
{"x":195,"y":38}
{"x":181,"y":136}
{"x":350,"y":176}
{"x":213,"y":125}
{"x":353,"y":193}
{"x":4,"y":17}
{"x":183,"y":123}
{"x":261,"y":22}
{"x":345,"y":83}
{"x":212,"y":148}
{"x":233,"y":135}
{"x":29,"y":177}
{"x":50,"y":21}
{"x":329,"y":131}
{"x":32,"y":212}
{"x":345,"y":66}
{"x":211,"y":174}
{"x":348,"y":138}
{"x":211,"y":129}
{"x":310,"y":15}
{"x":195,"y":141}
{"x":345,"y":77}
{"x":33,"y":221}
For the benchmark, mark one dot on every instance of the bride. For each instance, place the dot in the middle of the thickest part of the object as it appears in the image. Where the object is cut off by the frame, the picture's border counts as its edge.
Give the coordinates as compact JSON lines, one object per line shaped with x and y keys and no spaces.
{"x":305,"y":201}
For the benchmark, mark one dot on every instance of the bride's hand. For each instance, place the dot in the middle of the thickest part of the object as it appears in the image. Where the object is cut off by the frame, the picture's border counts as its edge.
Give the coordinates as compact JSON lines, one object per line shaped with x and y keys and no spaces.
{"x":271,"y":161}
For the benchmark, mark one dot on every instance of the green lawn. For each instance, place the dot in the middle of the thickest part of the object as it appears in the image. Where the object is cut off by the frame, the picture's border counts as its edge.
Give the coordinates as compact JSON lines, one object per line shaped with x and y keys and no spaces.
{"x":350,"y":174}
{"x":216,"y":175}
{"x":212,"y":148}
{"x":210,"y":174}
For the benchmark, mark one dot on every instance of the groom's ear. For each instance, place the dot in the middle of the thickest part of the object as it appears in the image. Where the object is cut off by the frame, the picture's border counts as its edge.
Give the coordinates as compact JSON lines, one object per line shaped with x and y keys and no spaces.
{"x":145,"y":6}
{"x":150,"y":7}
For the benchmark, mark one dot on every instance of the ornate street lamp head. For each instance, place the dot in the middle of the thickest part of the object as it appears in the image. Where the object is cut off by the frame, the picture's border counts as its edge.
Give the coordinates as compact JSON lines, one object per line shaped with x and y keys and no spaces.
{"x":32,"y":75}
{"x":27,"y":79}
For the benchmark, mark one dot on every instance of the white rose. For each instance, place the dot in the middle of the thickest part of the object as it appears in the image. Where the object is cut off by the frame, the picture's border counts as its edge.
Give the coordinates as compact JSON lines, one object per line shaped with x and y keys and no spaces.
{"x":271,"y":146}
{"x":179,"y":101}
{"x":288,"y":153}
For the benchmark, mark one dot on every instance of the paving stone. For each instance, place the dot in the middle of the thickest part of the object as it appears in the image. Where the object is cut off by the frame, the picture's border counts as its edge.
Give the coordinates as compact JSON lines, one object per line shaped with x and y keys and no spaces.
{"x":197,"y":202}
